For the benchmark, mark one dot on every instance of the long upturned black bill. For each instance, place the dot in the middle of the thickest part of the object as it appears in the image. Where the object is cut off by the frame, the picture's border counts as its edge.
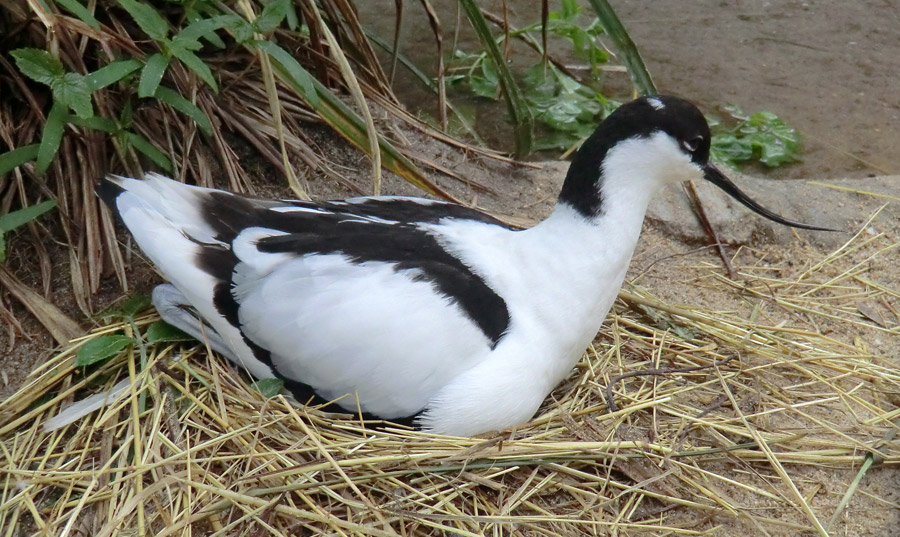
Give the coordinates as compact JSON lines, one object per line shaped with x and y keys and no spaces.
{"x":714,"y":176}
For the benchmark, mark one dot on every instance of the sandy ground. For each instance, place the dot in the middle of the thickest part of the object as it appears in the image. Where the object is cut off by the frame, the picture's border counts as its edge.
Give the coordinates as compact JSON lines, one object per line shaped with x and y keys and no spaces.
{"x":827,"y":67}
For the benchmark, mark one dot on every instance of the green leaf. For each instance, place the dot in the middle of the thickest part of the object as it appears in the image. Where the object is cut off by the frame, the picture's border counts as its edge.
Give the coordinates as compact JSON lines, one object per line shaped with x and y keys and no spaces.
{"x":38,"y":65}
{"x":126,"y":116}
{"x":487,"y":84}
{"x":762,"y":135}
{"x":628,"y":53}
{"x":243,"y":30}
{"x":128,"y":309}
{"x":293,"y":21}
{"x":75,"y":7}
{"x":195,"y":64}
{"x":489,"y":69}
{"x":18,"y":156}
{"x":774,"y":152}
{"x":72,"y":90}
{"x":152,"y":23}
{"x":111,"y":73}
{"x":483,"y":87}
{"x":96,"y":123}
{"x":163,"y":332}
{"x":192,"y":15}
{"x":151,"y":75}
{"x":14,"y":219}
{"x":133,"y":305}
{"x":297,"y":76}
{"x":268,"y":388}
{"x":189,"y":38}
{"x":570,"y":9}
{"x":184,"y":106}
{"x":563,"y":114}
{"x":101,"y":348}
{"x":540,"y":82}
{"x":149,"y":150}
{"x":271,"y":16}
{"x":583,"y":42}
{"x":732,"y":150}
{"x":569,"y":84}
{"x":765,"y":119}
{"x":51,"y":137}
{"x":563,"y":104}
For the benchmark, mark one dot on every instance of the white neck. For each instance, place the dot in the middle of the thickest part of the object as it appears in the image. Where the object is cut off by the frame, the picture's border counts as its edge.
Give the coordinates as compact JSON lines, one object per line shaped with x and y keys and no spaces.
{"x":560,"y":277}
{"x":633,"y":171}
{"x":572,"y":265}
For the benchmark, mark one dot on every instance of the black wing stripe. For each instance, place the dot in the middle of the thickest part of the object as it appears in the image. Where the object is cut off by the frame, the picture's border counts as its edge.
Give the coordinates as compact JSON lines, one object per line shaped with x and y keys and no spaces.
{"x":401,"y":243}
{"x":409,"y":249}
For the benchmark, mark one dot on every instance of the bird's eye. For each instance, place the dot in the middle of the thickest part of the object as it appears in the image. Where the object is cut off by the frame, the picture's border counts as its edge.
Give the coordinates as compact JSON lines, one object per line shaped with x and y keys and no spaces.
{"x":693,"y":144}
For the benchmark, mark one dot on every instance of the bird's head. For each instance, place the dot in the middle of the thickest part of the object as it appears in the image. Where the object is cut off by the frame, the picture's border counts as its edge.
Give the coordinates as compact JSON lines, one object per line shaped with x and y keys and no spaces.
{"x":645,"y":144}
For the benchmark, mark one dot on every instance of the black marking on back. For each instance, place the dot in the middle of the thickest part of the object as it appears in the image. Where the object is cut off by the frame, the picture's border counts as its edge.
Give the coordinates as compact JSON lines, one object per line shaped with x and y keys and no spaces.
{"x":108,"y":191}
{"x":409,"y":249}
{"x":341,"y":231}
{"x":636,"y":119}
{"x":406,"y":211}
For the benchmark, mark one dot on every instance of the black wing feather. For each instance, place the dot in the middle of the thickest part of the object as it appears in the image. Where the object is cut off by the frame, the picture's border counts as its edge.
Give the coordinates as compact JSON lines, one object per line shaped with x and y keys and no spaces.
{"x":401,"y":242}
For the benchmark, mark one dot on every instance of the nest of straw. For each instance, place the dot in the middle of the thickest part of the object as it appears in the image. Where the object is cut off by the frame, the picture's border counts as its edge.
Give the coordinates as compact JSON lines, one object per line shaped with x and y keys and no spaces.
{"x":717,"y":422}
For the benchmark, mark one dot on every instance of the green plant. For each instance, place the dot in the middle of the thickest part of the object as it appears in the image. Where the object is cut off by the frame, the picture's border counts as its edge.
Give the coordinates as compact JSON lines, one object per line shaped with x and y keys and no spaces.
{"x":268,"y":388}
{"x":71,"y":92}
{"x":520,"y":113}
{"x":15,"y":219}
{"x":122,"y":86}
{"x":570,"y":109}
{"x":103,"y":347}
{"x":126,"y":85}
{"x":567,"y":107}
{"x":762,"y":136}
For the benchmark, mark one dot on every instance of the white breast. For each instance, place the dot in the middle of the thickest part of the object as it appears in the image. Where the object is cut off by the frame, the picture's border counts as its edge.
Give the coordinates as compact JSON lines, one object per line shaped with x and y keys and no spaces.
{"x":559,"y":280}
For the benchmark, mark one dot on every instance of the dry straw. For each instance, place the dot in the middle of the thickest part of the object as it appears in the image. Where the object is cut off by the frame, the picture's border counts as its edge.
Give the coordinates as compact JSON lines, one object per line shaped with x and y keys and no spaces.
{"x":720,"y":422}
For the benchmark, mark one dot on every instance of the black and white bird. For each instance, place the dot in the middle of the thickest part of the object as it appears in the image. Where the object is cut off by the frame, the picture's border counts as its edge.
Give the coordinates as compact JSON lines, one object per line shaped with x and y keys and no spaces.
{"x":409,"y":309}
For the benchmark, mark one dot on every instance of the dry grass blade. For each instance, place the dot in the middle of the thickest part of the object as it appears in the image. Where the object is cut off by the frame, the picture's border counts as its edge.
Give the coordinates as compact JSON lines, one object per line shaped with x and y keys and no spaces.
{"x":776,"y":464}
{"x":677,"y":458}
{"x":395,"y":49}
{"x":62,"y":327}
{"x":439,"y":43}
{"x":854,"y":190}
{"x":350,"y":79}
{"x":275,"y":108}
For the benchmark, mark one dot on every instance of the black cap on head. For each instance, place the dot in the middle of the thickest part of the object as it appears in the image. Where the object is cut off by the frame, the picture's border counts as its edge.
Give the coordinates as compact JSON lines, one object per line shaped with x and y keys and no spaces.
{"x":641,"y":118}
